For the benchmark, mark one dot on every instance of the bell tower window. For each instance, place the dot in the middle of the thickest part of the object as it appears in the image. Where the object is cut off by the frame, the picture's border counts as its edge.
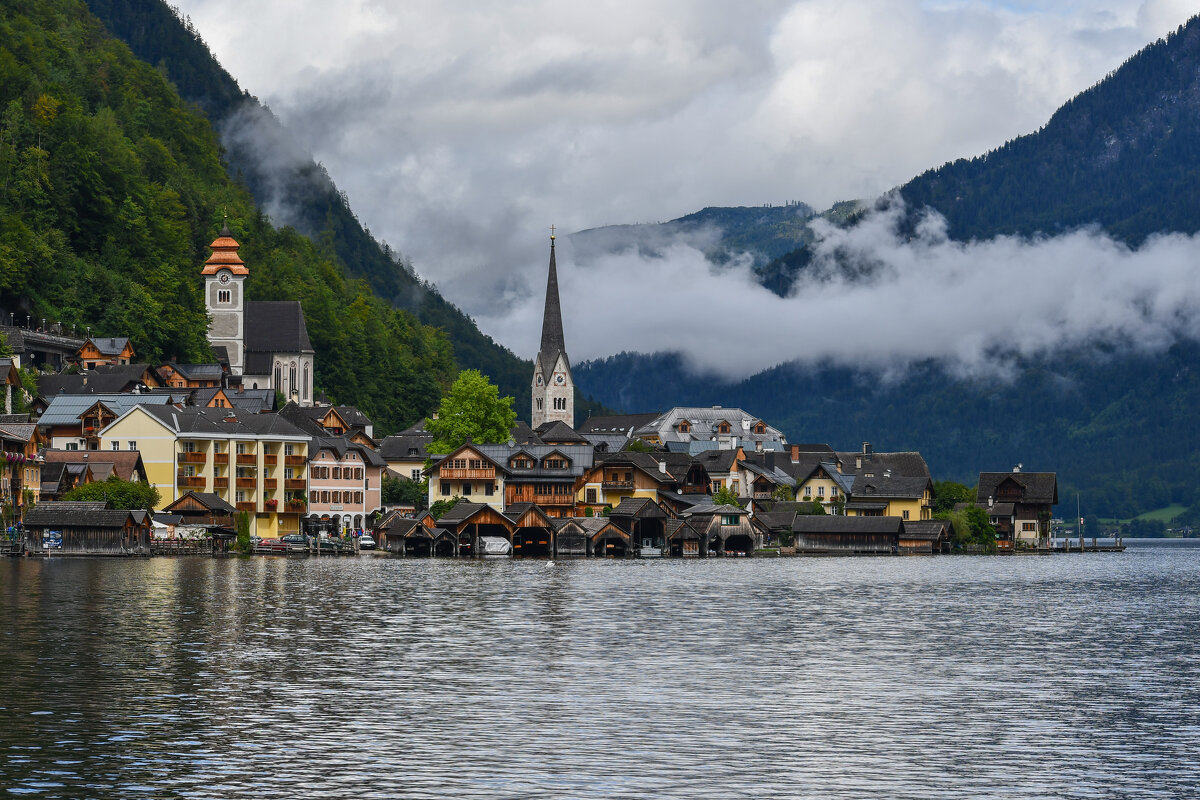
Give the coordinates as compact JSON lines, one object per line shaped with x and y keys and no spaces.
{"x":222,"y":295}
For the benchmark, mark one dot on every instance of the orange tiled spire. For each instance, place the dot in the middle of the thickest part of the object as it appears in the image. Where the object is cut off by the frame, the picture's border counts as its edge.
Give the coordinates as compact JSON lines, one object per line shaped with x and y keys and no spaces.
{"x":225,"y":255}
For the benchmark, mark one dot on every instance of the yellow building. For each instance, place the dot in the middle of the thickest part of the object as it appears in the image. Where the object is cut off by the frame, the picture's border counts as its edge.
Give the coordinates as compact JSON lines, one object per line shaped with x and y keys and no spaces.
{"x":255,"y":462}
{"x":633,"y":475}
{"x":884,"y":495}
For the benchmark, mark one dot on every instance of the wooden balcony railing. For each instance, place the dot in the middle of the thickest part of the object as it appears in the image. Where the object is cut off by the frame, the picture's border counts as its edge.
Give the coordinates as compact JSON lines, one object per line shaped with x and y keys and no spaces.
{"x":554,"y":499}
{"x":270,"y":460}
{"x":221,"y":458}
{"x":192,"y":458}
{"x":454,"y":474}
{"x":247,"y":458}
{"x":221,"y":483}
{"x":251,"y":506}
{"x":247,"y":483}
{"x":295,"y":461}
{"x":190,"y":481}
{"x":616,"y":485}
{"x":295,"y":483}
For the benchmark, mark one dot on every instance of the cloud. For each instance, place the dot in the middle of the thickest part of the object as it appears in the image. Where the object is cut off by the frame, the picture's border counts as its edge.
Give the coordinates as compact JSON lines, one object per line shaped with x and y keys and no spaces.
{"x":972,"y":306}
{"x":461,"y":130}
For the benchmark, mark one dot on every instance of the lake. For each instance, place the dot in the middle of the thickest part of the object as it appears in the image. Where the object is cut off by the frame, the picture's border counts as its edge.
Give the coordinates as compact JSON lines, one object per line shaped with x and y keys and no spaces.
{"x":1068,"y":676}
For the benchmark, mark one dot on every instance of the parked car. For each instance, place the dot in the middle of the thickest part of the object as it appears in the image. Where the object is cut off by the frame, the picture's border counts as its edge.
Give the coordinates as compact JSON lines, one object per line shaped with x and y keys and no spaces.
{"x":366,"y":542}
{"x":295,"y":542}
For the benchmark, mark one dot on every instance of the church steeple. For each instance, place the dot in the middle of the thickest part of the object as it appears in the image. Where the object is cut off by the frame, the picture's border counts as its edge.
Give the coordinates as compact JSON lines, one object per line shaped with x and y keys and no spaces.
{"x":553,"y":389}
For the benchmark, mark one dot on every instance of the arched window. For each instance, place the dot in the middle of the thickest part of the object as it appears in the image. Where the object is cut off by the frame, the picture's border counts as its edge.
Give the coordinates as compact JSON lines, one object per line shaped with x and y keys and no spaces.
{"x":278,"y":377}
{"x":307,"y":382}
{"x":292,"y":378}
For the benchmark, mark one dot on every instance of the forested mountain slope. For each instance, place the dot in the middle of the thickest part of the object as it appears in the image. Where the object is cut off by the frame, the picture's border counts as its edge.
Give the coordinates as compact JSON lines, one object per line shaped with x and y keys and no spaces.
{"x":111,"y":188}
{"x":296,"y":191}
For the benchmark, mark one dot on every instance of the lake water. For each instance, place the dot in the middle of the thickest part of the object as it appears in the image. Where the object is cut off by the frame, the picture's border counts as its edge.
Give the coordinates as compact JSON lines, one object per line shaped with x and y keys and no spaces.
{"x":936,"y":677}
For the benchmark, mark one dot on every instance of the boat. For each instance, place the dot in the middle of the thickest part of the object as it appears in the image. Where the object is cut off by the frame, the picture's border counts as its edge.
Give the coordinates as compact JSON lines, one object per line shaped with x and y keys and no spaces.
{"x":494,"y":547}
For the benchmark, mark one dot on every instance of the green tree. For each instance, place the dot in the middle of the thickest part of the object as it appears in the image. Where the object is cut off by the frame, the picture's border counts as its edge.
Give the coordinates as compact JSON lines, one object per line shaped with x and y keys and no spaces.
{"x":638,"y":446}
{"x":397,"y":491}
{"x":117,"y":493}
{"x":970,"y":529}
{"x":472,"y":409}
{"x":242,"y":526}
{"x":784,"y":493}
{"x":440,"y":507}
{"x":726,"y":497}
{"x":948,"y":493}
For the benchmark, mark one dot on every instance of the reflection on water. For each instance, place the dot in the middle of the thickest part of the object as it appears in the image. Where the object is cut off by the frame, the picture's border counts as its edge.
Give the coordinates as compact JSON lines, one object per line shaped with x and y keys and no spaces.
{"x":1063,"y":676}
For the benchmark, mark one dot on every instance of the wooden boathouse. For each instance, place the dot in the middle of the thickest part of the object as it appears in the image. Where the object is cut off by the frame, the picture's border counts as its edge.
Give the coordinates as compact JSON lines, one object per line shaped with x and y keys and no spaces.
{"x":86,"y":528}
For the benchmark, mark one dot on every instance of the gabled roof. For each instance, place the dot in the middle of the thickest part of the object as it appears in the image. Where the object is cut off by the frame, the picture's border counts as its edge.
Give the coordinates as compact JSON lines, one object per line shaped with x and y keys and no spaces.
{"x":275,"y":326}
{"x":523,"y":434}
{"x":927,"y":529}
{"x":883,"y":486}
{"x":222,"y":421}
{"x":65,"y":409}
{"x":76,"y":514}
{"x":341,"y":445}
{"x":1037,"y":487}
{"x":712,"y":509}
{"x":108,"y":345}
{"x":807,"y":523}
{"x":559,"y":432}
{"x":463,"y":511}
{"x":126,"y":464}
{"x":207,"y":500}
{"x":908,"y":464}
{"x":198,"y":372}
{"x":639,"y":508}
{"x":397,"y":447}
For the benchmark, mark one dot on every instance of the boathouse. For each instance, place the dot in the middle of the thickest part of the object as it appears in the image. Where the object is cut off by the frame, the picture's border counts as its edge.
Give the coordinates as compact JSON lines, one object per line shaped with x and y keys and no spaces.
{"x":925,"y":536}
{"x":846,"y":535}
{"x":86,"y":528}
{"x":645,"y":522}
{"x":722,"y":530}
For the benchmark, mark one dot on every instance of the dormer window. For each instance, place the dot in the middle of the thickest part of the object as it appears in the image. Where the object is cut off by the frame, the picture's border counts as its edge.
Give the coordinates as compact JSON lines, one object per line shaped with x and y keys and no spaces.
{"x":723,"y":427}
{"x":521,"y":462}
{"x":760,"y":428}
{"x":555,"y":463}
{"x":684,"y":426}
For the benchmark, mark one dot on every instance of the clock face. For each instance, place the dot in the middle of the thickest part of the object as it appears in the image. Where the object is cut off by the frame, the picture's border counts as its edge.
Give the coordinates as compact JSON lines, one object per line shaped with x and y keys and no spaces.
{"x":559,"y":379}
{"x":223,"y":278}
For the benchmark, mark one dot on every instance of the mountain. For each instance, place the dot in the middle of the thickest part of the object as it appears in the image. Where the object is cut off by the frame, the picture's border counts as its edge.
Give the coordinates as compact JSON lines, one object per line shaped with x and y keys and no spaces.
{"x":111,"y":188}
{"x":296,"y":191}
{"x":1118,"y":425}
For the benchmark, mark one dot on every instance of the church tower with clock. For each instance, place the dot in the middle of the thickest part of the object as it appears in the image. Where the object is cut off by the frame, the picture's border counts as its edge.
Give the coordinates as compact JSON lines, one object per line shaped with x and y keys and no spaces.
{"x":224,"y":274}
{"x":553,"y":389}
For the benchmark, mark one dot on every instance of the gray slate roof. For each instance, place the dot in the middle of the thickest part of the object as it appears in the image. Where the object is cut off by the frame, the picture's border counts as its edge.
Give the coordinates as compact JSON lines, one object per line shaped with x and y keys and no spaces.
{"x":1039,"y":487}
{"x":64,"y":409}
{"x":829,"y":524}
{"x":223,"y":421}
{"x":275,"y":326}
{"x":400,"y":447}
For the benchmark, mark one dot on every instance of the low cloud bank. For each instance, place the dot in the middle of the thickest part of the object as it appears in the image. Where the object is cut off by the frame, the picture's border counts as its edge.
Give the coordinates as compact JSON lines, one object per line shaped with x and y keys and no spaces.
{"x":972,"y":306}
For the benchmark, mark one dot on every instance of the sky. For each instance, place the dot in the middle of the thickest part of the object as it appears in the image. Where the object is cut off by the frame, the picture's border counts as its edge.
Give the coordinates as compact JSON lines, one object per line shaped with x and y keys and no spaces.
{"x":462,"y":130}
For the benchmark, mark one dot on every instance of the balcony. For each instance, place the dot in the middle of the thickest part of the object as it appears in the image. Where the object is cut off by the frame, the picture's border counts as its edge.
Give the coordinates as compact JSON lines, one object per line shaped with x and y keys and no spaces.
{"x":221,"y":458}
{"x":251,"y":507}
{"x":270,"y":460}
{"x":247,"y":483}
{"x":192,"y":458}
{"x":295,"y":483}
{"x":616,"y":486}
{"x":190,"y":481}
{"x":220,"y":483}
{"x":247,"y":458}
{"x":295,"y":506}
{"x":295,"y":461}
{"x":554,"y":499}
{"x":454,"y":474}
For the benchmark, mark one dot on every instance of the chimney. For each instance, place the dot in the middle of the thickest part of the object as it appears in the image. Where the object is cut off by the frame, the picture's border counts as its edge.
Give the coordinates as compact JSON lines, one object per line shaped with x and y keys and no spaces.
{"x":758,"y":446}
{"x":1017,"y":468}
{"x":866,"y":448}
{"x":990,"y":501}
{"x":858,"y":462}
{"x":795,"y":454}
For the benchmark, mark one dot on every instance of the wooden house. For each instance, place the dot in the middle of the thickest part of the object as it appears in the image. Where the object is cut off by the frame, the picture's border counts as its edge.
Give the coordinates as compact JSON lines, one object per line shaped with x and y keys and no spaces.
{"x":202,"y":509}
{"x":823,"y":534}
{"x":105,"y":350}
{"x":722,"y":530}
{"x":925,"y":536}
{"x":1032,"y":496}
{"x":87,"y":528}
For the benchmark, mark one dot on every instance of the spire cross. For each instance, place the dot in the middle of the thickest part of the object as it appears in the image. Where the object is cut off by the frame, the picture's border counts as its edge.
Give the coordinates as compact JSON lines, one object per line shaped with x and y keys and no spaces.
{"x":551,"y":231}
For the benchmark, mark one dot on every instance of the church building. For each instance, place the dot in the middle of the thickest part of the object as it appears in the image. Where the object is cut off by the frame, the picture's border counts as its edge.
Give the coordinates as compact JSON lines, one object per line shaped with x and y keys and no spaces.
{"x":553,"y":388}
{"x":266,"y":342}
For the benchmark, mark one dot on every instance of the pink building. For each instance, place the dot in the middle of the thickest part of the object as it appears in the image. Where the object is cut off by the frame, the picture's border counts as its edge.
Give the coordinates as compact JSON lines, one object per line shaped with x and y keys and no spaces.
{"x":345,"y":482}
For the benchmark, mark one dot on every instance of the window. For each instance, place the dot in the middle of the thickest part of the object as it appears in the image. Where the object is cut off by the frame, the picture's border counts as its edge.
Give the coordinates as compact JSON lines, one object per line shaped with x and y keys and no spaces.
{"x":239,"y":496}
{"x":324,"y":497}
{"x":304,"y":385}
{"x":358,"y":497}
{"x":337,"y":497}
{"x":278,"y":377}
{"x":315,"y":472}
{"x":445,"y":488}
{"x":539,"y":404}
{"x":358,"y":473}
{"x":729,"y":519}
{"x":314,"y":497}
{"x":591,"y":495}
{"x":489,"y":489}
{"x":555,"y":463}
{"x":288,"y":450}
{"x":132,"y":444}
{"x":222,"y":295}
{"x":292,"y":377}
{"x":337,"y":473}
{"x":116,"y":445}
{"x":1029,"y":526}
{"x":241,"y":448}
{"x":416,"y":474}
{"x":905,"y":514}
{"x":188,"y":447}
{"x":466,"y":487}
{"x":72,"y":445}
{"x":267,"y":473}
{"x":820,"y":491}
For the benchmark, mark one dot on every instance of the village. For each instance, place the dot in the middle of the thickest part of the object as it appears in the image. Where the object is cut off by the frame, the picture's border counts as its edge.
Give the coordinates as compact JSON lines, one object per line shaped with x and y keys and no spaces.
{"x":246,"y":441}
